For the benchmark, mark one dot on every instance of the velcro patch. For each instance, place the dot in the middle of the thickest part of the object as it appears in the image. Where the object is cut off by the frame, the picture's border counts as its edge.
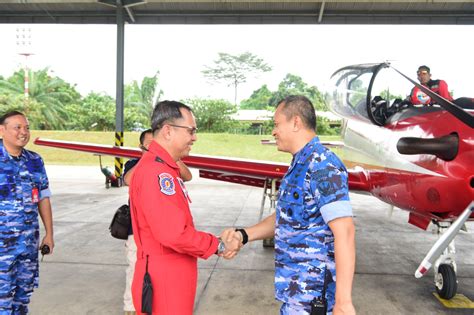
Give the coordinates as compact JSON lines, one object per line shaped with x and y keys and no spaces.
{"x":166,"y":184}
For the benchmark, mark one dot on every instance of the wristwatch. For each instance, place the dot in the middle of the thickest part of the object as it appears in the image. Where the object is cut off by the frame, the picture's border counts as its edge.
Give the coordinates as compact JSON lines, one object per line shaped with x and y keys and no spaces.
{"x":220,"y":247}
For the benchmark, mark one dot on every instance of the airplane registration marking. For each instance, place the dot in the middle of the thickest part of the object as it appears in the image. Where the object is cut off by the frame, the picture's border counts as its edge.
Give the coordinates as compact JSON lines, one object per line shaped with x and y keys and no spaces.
{"x":458,"y":301}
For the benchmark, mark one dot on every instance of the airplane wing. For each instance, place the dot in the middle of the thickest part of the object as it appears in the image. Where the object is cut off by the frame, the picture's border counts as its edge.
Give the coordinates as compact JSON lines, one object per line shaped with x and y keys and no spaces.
{"x":233,"y":170}
{"x":241,"y":171}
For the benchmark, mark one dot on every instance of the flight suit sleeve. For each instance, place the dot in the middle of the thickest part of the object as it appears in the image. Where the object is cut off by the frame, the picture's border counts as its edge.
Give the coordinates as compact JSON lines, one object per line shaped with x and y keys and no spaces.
{"x":443,"y":90}
{"x":168,"y":216}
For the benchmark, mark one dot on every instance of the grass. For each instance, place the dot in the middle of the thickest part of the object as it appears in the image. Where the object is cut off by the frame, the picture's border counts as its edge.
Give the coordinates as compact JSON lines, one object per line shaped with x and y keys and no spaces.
{"x":230,"y":145}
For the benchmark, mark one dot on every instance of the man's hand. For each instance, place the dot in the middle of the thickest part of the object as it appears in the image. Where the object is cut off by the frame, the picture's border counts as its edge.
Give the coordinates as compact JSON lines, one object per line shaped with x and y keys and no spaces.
{"x":232,"y":241}
{"x":48,"y":240}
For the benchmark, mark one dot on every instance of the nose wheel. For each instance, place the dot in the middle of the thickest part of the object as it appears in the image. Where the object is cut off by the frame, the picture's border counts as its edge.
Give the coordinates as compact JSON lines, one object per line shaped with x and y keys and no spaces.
{"x":446,"y":282}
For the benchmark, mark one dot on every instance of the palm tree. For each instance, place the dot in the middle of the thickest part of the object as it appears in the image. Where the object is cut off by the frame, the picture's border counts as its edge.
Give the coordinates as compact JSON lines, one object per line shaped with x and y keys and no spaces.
{"x":46,"y":100}
{"x":143,"y":95}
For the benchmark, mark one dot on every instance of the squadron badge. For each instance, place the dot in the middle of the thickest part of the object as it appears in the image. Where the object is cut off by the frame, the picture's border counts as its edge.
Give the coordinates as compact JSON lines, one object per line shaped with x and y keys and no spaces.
{"x":166,"y":184}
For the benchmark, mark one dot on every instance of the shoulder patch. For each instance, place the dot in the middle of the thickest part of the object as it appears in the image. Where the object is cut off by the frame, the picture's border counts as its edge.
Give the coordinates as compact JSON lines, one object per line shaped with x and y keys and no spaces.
{"x":166,"y":184}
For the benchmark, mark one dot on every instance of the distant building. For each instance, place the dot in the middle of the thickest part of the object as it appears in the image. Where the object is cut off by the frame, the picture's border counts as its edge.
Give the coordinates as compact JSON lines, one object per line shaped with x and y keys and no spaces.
{"x":256,"y":117}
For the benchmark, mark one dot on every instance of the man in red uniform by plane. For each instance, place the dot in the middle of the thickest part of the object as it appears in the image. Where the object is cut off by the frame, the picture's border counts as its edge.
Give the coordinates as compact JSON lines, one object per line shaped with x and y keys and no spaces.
{"x":438,"y":86}
{"x":168,"y":244}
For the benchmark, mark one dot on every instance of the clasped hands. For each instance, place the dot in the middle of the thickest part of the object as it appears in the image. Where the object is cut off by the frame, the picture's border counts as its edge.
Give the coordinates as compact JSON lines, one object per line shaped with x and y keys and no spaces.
{"x":233,"y":243}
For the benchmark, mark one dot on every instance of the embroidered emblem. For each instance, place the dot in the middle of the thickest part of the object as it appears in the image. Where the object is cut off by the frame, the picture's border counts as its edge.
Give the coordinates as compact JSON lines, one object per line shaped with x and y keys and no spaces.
{"x":166,"y":184}
{"x":422,"y":97}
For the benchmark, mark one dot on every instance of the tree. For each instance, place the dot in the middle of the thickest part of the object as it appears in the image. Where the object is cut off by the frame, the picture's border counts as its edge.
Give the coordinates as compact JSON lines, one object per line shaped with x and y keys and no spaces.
{"x":142,"y":96}
{"x":258,"y":100}
{"x":96,"y":112}
{"x":48,"y":96}
{"x":212,"y":115}
{"x":294,"y":85}
{"x":235,"y":69}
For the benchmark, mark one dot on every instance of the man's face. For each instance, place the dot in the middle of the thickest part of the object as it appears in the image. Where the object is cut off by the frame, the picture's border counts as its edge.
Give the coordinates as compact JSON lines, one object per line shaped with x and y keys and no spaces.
{"x":184,"y":133}
{"x":16,"y":133}
{"x":423,"y":76}
{"x":283,"y":130}
{"x":146,"y":141}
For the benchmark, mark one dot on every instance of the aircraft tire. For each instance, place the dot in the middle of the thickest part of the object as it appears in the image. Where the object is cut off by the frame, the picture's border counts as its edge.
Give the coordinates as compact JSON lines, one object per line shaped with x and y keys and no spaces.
{"x":446,"y":284}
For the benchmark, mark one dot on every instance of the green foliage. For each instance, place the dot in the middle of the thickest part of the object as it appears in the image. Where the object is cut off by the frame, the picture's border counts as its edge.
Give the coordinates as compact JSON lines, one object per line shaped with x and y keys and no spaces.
{"x":323,"y":127}
{"x":258,"y":100}
{"x":294,"y":85}
{"x":290,"y":85}
{"x":385,"y":94}
{"x":212,"y":115}
{"x":139,"y":98}
{"x":235,"y":69}
{"x":96,"y":112}
{"x":48,"y":96}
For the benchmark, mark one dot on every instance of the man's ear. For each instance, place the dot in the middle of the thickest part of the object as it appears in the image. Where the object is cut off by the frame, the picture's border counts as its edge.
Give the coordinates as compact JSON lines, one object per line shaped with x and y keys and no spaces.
{"x":166,"y":130}
{"x":297,"y":123}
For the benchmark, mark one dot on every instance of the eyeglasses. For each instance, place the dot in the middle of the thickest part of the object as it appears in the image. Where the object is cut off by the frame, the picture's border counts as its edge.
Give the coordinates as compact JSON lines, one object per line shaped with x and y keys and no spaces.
{"x":422,"y":72}
{"x":192,"y":130}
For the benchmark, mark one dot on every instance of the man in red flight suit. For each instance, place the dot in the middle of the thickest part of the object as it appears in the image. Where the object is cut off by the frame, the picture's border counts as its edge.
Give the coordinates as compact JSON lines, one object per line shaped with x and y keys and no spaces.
{"x":167,"y":241}
{"x":438,"y":86}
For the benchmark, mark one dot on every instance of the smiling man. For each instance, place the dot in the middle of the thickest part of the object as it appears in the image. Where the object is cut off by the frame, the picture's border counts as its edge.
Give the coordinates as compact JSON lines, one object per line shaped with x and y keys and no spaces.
{"x":168,"y":244}
{"x":24,"y":192}
{"x":312,"y":224}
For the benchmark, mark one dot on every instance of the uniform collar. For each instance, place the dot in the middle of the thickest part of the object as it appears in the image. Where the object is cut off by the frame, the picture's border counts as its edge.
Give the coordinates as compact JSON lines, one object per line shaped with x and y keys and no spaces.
{"x":5,"y":156}
{"x":302,"y":155}
{"x":158,"y":151}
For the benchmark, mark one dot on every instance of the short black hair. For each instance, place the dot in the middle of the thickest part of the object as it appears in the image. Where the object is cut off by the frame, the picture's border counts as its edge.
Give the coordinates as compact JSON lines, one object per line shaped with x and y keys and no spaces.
{"x":426,"y":68}
{"x":10,"y":114}
{"x":166,"y":112}
{"x":299,"y":105}
{"x":143,"y":134}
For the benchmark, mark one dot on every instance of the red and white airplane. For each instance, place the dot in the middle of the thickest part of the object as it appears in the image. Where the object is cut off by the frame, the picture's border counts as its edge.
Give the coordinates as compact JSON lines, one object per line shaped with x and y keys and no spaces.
{"x":417,"y":158}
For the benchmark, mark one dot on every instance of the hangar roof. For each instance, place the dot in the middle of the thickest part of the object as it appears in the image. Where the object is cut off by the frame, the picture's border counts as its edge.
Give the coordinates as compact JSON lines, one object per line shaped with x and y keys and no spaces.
{"x":239,"y":12}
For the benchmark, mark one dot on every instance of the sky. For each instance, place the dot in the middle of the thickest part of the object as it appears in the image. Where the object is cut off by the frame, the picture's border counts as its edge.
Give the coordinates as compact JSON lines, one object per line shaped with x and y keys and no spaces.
{"x":85,"y":55}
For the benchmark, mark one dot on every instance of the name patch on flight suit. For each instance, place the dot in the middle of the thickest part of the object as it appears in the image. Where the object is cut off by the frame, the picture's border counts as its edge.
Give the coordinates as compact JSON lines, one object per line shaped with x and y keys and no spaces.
{"x":166,"y":184}
{"x":183,"y":188}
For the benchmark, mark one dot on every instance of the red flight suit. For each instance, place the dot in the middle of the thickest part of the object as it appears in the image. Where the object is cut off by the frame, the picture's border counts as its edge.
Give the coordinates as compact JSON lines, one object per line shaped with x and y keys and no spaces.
{"x":438,"y":86}
{"x":164,"y":231}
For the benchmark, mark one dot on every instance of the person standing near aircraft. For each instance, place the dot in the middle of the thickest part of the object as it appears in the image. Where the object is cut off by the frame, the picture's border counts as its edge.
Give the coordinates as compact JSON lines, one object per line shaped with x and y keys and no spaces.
{"x":313,"y":227}
{"x":168,"y":244}
{"x":440,"y":87}
{"x":24,"y":191}
{"x":146,"y":137}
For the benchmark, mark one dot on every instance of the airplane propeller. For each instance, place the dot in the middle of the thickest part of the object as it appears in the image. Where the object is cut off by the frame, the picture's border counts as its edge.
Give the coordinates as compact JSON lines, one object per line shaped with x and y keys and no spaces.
{"x":449,"y":106}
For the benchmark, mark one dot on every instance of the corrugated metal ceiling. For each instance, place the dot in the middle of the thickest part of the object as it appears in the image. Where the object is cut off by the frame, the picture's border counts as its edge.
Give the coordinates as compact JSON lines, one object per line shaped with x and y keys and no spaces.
{"x":241,"y":12}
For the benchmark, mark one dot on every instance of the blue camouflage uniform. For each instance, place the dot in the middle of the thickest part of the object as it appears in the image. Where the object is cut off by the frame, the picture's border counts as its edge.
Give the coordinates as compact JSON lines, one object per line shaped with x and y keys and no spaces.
{"x":313,"y":192}
{"x":23,"y":182}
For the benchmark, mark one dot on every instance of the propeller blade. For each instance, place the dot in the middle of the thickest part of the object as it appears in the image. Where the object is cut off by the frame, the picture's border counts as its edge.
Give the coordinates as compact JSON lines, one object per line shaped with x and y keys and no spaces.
{"x":449,"y":106}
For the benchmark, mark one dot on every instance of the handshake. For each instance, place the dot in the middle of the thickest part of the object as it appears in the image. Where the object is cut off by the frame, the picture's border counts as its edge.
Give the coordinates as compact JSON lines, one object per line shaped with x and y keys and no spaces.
{"x":230,"y":242}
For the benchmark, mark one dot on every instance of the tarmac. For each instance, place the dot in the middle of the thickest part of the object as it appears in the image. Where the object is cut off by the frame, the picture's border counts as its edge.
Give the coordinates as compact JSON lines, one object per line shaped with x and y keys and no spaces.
{"x":86,"y":273}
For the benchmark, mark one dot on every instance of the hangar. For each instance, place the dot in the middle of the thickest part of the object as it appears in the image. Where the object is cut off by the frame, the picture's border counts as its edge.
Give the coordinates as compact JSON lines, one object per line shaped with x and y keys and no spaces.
{"x":219,"y":12}
{"x":238,"y":11}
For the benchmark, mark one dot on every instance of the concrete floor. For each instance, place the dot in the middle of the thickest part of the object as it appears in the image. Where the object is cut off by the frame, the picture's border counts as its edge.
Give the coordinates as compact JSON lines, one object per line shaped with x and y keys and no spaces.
{"x":86,"y":273}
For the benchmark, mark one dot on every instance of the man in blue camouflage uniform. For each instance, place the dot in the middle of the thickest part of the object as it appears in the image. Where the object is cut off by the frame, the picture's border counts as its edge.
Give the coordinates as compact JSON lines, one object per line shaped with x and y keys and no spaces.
{"x":312,"y":225}
{"x":24,"y":192}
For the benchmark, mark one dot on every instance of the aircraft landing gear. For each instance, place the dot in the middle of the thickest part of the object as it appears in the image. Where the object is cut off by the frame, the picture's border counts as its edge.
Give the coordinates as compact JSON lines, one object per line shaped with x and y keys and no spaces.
{"x":446,"y":282}
{"x":269,"y":191}
{"x":445,"y":268}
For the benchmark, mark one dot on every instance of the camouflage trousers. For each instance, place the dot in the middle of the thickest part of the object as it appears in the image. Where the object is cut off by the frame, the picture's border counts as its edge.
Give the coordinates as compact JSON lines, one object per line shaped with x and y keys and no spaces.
{"x":18,"y":278}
